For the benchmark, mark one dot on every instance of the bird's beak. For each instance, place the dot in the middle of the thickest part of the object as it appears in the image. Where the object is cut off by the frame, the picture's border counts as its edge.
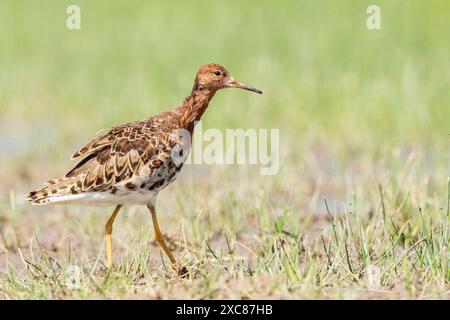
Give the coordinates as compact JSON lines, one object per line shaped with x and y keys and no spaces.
{"x":236,"y":84}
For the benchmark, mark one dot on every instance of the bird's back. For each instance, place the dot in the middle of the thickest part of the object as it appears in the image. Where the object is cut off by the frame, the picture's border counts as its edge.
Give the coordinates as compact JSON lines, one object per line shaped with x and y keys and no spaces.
{"x":128,"y":163}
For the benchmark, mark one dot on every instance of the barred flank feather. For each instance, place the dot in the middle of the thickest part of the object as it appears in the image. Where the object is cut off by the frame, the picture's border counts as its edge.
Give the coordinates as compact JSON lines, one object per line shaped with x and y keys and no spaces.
{"x":53,"y":189}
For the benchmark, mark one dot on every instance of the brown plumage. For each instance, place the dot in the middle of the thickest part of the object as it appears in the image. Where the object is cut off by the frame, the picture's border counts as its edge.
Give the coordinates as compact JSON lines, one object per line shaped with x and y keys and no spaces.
{"x":131,"y":163}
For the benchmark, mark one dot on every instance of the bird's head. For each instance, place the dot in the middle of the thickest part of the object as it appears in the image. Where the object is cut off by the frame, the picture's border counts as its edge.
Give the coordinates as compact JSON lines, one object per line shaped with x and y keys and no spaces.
{"x":214,"y":77}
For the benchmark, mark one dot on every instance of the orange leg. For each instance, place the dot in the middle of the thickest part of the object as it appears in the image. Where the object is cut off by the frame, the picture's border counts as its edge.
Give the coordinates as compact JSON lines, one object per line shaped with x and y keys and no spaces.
{"x":160,"y":238}
{"x":108,"y":237}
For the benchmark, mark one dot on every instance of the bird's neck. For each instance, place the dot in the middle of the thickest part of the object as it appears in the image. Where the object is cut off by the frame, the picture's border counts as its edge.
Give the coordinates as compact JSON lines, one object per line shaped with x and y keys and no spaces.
{"x":193,"y":107}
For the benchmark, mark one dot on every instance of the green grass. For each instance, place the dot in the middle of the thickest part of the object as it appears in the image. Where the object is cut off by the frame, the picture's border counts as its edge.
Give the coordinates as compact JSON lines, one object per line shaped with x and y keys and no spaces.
{"x":359,"y":209}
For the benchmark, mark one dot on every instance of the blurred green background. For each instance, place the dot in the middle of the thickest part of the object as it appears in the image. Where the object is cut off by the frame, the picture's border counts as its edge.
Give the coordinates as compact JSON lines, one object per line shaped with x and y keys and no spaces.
{"x":363,"y":118}
{"x":327,"y":79}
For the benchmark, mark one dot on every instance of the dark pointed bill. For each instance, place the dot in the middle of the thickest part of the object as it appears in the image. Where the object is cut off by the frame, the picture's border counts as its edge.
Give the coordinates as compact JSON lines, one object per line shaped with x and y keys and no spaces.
{"x":240,"y":85}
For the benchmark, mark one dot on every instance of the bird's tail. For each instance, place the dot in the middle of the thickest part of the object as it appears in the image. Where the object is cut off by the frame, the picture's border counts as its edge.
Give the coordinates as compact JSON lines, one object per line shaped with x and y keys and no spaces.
{"x":53,"y":190}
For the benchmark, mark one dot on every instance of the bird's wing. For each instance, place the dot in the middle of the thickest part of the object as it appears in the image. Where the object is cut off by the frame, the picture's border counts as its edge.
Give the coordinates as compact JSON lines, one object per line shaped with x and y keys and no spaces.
{"x":119,"y":154}
{"x":107,"y":138}
{"x":115,"y":157}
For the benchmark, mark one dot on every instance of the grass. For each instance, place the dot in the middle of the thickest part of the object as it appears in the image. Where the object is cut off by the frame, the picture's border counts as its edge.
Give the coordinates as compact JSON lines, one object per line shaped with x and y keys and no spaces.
{"x":359,"y":209}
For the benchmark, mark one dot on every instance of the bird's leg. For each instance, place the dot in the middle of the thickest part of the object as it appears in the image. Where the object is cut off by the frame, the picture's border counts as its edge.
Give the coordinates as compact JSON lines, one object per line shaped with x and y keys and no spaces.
{"x":160,"y":239}
{"x":108,"y":238}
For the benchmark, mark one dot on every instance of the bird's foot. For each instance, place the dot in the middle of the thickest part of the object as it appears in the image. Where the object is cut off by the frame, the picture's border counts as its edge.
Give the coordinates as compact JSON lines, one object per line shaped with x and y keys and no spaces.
{"x":181,"y":271}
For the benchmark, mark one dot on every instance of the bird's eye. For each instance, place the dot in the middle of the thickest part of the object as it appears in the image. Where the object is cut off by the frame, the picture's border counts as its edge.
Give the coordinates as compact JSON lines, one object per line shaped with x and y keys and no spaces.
{"x":217,"y":73}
